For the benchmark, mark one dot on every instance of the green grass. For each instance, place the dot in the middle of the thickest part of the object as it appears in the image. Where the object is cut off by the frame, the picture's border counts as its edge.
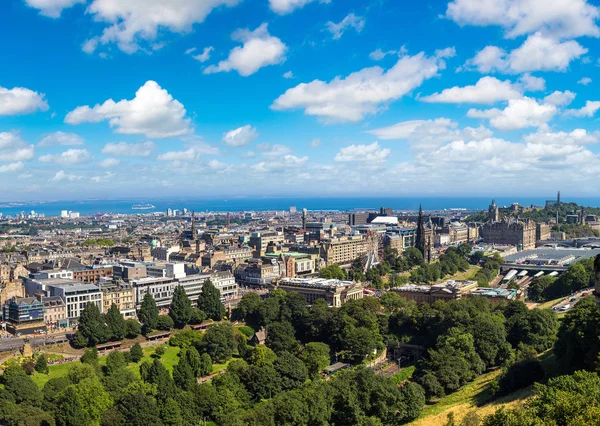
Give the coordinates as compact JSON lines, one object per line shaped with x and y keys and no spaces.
{"x":404,"y":374}
{"x":551,"y":303}
{"x":169,"y":359}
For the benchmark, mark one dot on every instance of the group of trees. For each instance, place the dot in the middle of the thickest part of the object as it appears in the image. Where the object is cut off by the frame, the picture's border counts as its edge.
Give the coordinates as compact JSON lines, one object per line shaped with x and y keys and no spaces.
{"x":490,"y":267}
{"x":577,"y":277}
{"x":452,"y":261}
{"x":95,"y":328}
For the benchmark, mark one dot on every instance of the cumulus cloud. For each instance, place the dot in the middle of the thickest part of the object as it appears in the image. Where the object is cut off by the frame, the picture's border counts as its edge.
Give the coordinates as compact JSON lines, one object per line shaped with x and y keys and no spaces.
{"x":107,"y":176}
{"x":70,"y":157}
{"x":123,"y":149}
{"x":268,"y":150}
{"x":428,"y":134}
{"x":288,"y":75}
{"x":535,"y":84}
{"x":12,"y":167}
{"x":241,"y":136}
{"x":378,"y":54}
{"x":559,"y":18}
{"x":20,"y":100}
{"x":560,"y":99}
{"x":282,"y":164}
{"x":109,"y":162}
{"x":588,"y":110}
{"x":350,"y":21}
{"x":537,"y":53}
{"x":13,"y":148}
{"x":487,"y":90}
{"x":52,"y":8}
{"x":363,"y":153}
{"x":283,"y":7}
{"x":137,"y":23}
{"x":576,"y":137}
{"x":61,"y":139}
{"x":153,"y":112}
{"x":363,"y":92}
{"x":585,"y":81}
{"x":519,"y":114}
{"x":259,"y":49}
{"x":62,"y":176}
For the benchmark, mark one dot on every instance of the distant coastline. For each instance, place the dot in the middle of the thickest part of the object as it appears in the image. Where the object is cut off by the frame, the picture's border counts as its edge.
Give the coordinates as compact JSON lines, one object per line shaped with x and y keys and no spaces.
{"x":124,"y":206}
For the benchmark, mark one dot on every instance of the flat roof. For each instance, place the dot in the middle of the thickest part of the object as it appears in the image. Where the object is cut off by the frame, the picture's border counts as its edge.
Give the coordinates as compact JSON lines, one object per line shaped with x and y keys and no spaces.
{"x":547,"y":253}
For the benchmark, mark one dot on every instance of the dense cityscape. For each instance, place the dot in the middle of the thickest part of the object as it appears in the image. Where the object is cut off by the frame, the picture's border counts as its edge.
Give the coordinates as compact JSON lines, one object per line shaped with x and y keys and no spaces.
{"x":299,"y":213}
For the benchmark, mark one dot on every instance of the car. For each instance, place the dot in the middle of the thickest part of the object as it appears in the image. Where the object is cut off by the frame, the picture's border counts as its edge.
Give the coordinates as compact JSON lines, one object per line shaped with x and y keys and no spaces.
{"x":584,"y":294}
{"x":573,"y":299}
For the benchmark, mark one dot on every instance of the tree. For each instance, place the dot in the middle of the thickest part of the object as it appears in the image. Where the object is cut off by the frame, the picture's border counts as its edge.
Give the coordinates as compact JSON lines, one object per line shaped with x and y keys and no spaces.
{"x":93,"y":397}
{"x":361,"y":342}
{"x":206,"y":365}
{"x":181,"y":307}
{"x":333,"y":272}
{"x":70,"y":411}
{"x":183,"y":376}
{"x":115,"y":322}
{"x":136,"y":353}
{"x":159,"y":376}
{"x":138,"y":409}
{"x":262,"y":355}
{"x":164,"y":322}
{"x":90,"y":356}
{"x":262,"y":381}
{"x":218,"y":342}
{"x":535,"y":327}
{"x":148,"y":313}
{"x":292,"y":371}
{"x":414,"y":256}
{"x":115,"y":361}
{"x":170,"y":413}
{"x":316,"y":356}
{"x":280,"y":337}
{"x":193,"y":359}
{"x":92,"y":325}
{"x":21,"y":387}
{"x":198,"y":316}
{"x":41,"y":365}
{"x":248,"y":310}
{"x":209,"y":301}
{"x":79,"y":340}
{"x":412,"y":398}
{"x":132,"y":328}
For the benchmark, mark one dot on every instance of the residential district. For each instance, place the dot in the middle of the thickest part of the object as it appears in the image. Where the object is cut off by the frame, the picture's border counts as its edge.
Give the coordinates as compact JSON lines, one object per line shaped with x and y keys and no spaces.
{"x":56,"y":273}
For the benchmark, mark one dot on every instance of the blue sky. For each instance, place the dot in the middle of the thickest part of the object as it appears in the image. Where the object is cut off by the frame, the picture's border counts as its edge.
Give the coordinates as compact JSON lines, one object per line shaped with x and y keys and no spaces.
{"x":107,"y":98}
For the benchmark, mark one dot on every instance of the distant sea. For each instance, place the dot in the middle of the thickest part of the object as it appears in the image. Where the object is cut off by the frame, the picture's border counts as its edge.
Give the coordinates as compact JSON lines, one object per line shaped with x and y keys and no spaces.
{"x":91,"y":207}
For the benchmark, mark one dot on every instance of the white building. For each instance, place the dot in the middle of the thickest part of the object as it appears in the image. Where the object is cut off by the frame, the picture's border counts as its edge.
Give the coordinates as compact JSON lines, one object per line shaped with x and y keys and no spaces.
{"x":46,"y":275}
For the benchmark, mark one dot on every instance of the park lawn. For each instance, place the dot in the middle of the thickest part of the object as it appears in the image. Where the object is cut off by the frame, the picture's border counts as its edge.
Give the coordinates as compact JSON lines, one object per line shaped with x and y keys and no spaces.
{"x":474,"y":396}
{"x":169,"y":359}
{"x":465,"y":276}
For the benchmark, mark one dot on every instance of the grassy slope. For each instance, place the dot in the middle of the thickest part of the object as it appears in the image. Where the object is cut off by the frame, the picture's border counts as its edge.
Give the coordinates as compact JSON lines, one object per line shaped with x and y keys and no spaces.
{"x":474,"y":396}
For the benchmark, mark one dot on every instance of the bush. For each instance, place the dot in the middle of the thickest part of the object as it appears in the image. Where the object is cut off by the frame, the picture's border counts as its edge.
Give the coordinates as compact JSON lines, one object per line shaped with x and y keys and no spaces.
{"x":185,"y":339}
{"x":136,"y":353}
{"x":29,"y":367}
{"x":245,"y":330}
{"x":41,"y":365}
{"x":164,"y":322}
{"x":132,"y":328}
{"x":520,"y":375}
{"x":160,"y":350}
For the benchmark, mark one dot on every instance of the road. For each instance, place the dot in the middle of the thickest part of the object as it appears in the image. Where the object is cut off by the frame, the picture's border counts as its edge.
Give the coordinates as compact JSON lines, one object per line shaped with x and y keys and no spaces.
{"x":568,"y":302}
{"x":16,"y":343}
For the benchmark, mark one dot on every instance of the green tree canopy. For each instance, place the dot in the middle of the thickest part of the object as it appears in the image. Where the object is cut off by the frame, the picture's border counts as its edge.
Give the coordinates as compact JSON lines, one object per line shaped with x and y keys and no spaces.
{"x":209,"y":301}
{"x":181,"y":307}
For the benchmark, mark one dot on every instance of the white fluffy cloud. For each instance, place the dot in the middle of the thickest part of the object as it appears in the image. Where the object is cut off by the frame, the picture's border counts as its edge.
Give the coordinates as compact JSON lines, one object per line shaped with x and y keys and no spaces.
{"x":288,"y":75}
{"x":12,"y":167}
{"x":13,"y":148}
{"x":429,"y":134}
{"x":364,"y":92}
{"x":132,"y":22}
{"x":559,"y":18}
{"x":283,"y":7}
{"x":519,"y":114}
{"x":378,"y":54}
{"x":585,"y":81}
{"x":70,"y":157}
{"x":350,"y":21}
{"x":576,"y":137}
{"x":20,"y":100}
{"x":560,"y":99}
{"x":205,"y":55}
{"x":532,"y":83}
{"x":61,"y":139}
{"x":363,"y":153}
{"x":123,"y":149}
{"x":52,"y":8}
{"x":281,"y":164}
{"x":487,"y":90}
{"x":259,"y":49}
{"x":153,"y":112}
{"x":109,"y":162}
{"x":241,"y":136}
{"x":537,"y":53}
{"x":588,"y":110}
{"x":62,"y":176}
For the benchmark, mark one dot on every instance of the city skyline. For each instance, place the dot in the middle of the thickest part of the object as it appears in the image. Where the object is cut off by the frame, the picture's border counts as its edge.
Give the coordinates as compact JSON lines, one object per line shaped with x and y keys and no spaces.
{"x":227,"y":98}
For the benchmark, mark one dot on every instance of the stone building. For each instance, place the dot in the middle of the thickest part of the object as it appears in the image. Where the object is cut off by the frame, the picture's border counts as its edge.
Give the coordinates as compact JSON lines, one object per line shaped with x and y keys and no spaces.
{"x":520,"y":233}
{"x":335,"y":292}
{"x":344,"y":250}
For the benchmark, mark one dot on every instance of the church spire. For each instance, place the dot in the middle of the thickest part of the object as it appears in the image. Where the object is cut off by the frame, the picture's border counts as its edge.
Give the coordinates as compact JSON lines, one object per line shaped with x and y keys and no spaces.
{"x":194,"y":235}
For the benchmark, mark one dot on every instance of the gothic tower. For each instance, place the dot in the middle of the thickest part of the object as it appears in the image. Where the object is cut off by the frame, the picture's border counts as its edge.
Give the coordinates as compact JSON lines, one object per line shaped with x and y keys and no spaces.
{"x":597,"y":278}
{"x":493,"y":214}
{"x":420,"y":240}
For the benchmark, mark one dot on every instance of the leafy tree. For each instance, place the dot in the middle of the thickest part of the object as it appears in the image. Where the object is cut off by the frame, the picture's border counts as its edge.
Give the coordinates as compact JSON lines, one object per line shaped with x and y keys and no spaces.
{"x":536,"y":328}
{"x":316,"y":356}
{"x":136,"y":353}
{"x":280,"y":337}
{"x":115,"y":322}
{"x":333,"y":272}
{"x":138,"y":409}
{"x":132,"y":328}
{"x":93,"y":397}
{"x":262,"y":381}
{"x":71,"y":412}
{"x":292,"y":371}
{"x":181,"y":307}
{"x":90,"y":356}
{"x":412,"y":397}
{"x":41,"y":365}
{"x":414,"y":256}
{"x":148,"y":313}
{"x":361,"y":342}
{"x":218,"y":342}
{"x":197,"y":317}
{"x":92,"y":325}
{"x":120,"y":382}
{"x":79,"y":340}
{"x":21,"y":387}
{"x":262,"y":355}
{"x":538,"y":288}
{"x":164,"y":322}
{"x":185,"y":339}
{"x":489,"y":335}
{"x":183,"y":375}
{"x":160,"y":350}
{"x":520,"y":375}
{"x":158,"y":375}
{"x":209,"y":301}
{"x":206,"y":365}
{"x":248,"y":310}
{"x":170,"y":413}
{"x":52,"y":391}
{"x":115,"y":361}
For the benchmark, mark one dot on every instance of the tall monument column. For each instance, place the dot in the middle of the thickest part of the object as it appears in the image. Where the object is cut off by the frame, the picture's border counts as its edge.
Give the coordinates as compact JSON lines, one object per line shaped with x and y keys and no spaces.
{"x":597,"y":279}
